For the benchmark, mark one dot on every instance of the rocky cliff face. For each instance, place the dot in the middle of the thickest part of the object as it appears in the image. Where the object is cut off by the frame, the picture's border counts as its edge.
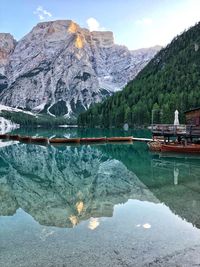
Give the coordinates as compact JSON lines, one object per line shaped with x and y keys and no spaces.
{"x":7,"y":46}
{"x":61,"y":69}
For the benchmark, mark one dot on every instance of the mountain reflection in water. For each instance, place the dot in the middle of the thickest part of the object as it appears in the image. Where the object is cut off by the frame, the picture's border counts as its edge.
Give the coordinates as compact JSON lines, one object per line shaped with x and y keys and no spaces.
{"x":62,"y":186}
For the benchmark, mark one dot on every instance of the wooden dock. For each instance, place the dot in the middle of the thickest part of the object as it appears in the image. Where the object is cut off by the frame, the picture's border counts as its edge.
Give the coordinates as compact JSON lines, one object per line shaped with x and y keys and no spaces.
{"x":170,"y":130}
{"x":138,"y":139}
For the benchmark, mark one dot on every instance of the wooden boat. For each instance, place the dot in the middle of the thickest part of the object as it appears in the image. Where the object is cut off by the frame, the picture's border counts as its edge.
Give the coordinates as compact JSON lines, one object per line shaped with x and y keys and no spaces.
{"x":13,"y":137}
{"x":120,"y":139}
{"x":3,"y":136}
{"x":64,"y":140}
{"x":154,"y":145}
{"x":26,"y":139}
{"x":180,"y":148}
{"x":93,"y":140}
{"x":41,"y":140}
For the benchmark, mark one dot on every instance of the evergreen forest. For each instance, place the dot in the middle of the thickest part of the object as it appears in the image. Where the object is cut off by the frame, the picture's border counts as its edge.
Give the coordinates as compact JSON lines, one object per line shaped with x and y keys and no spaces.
{"x":170,"y":81}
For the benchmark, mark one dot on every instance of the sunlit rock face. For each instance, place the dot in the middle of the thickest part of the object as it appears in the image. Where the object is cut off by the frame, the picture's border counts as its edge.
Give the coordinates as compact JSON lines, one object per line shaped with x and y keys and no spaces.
{"x":7,"y":46}
{"x":61,"y":64}
{"x":63,"y":186}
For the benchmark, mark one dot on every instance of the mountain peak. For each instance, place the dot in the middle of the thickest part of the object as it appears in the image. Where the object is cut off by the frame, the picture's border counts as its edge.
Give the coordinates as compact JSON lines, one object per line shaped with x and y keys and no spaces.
{"x":61,"y":68}
{"x":57,"y":27}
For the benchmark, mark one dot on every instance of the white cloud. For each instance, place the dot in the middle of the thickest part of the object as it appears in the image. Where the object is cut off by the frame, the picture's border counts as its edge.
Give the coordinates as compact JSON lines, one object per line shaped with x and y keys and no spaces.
{"x":144,"y":21}
{"x":42,"y":13}
{"x":94,"y":25}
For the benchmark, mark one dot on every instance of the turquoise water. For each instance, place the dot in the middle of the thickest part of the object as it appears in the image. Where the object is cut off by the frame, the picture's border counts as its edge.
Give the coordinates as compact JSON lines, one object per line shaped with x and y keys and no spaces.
{"x":97,"y":205}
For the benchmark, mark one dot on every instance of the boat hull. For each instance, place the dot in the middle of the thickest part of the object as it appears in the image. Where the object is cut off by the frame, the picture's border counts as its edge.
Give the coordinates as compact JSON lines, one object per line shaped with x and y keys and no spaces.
{"x":192,"y":148}
{"x":64,"y":140}
{"x":120,"y":139}
{"x":25,"y":139}
{"x":13,"y":137}
{"x":154,"y":146}
{"x":93,"y":140}
{"x":40,"y":140}
{"x":3,"y":136}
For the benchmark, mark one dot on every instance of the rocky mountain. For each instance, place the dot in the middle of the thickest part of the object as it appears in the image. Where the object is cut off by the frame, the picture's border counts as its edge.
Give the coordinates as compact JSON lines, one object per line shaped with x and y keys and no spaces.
{"x":168,"y":82}
{"x":61,"y":68}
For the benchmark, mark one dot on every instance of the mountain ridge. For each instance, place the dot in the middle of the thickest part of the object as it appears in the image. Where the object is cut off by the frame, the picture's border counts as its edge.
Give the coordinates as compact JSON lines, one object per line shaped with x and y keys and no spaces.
{"x":60,"y":68}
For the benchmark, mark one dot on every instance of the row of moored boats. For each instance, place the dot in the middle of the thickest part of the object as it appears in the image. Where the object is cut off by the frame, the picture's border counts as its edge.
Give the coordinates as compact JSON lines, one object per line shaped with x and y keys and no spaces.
{"x":45,"y":140}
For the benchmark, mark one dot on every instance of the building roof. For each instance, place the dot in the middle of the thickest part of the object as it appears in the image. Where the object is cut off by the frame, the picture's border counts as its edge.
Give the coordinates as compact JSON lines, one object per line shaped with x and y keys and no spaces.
{"x":192,"y":109}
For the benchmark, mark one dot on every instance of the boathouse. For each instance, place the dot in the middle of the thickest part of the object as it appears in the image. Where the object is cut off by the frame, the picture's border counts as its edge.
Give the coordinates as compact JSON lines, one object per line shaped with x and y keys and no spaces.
{"x":189,"y":130}
{"x":192,"y":117}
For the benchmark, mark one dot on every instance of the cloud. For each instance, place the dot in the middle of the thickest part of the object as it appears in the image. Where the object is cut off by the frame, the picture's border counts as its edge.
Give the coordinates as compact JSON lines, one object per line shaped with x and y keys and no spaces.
{"x":42,"y":13}
{"x":144,"y":21}
{"x":94,"y":25}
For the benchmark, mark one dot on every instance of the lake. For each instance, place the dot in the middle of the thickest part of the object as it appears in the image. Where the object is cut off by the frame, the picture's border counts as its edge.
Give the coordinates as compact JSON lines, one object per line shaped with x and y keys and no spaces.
{"x":97,"y":205}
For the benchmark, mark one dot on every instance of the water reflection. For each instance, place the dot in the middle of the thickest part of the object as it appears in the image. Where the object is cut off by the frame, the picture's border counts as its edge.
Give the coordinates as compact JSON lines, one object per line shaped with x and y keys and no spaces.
{"x":176,"y":174}
{"x":62,"y":186}
{"x":182,"y":185}
{"x":173,"y":179}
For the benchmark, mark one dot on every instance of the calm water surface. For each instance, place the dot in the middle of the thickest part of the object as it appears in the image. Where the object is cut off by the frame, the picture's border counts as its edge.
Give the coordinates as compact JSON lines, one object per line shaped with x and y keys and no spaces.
{"x":97,"y":205}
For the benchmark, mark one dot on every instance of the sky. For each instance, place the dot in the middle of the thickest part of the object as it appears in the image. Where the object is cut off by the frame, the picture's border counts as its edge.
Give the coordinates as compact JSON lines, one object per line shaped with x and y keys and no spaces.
{"x":135,"y":23}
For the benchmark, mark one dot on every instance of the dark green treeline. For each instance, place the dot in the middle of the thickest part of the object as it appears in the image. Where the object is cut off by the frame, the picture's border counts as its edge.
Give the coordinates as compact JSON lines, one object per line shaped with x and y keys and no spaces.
{"x":170,"y":81}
